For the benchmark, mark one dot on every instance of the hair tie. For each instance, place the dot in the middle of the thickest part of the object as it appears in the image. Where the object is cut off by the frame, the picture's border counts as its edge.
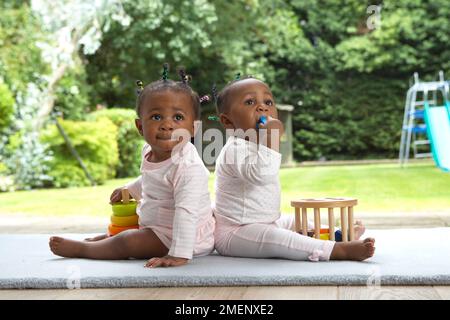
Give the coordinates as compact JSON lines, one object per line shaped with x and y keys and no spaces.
{"x":182,"y":74}
{"x":185,"y":78}
{"x":213,"y":118}
{"x":140,"y":87}
{"x":205,"y":99}
{"x":165,"y":74}
{"x":214,"y":92}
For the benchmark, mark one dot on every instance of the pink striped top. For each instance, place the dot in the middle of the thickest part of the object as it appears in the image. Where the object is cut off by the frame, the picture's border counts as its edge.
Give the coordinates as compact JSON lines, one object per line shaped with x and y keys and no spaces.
{"x":174,"y":202}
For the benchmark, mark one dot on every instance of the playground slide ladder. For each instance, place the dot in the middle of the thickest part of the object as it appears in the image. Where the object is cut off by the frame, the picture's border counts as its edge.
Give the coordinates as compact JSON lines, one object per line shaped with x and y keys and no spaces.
{"x":414,"y":130}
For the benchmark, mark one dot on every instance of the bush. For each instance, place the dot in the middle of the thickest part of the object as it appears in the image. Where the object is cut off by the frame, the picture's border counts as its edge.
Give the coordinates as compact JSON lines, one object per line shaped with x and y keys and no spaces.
{"x":95,"y":142}
{"x":27,"y":160}
{"x":6,"y":183}
{"x":6,"y":106}
{"x":128,"y":139}
{"x":348,"y":118}
{"x":3,"y":169}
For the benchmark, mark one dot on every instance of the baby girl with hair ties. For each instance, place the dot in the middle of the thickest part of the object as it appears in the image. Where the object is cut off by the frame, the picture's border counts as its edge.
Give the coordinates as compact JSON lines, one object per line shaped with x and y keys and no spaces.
{"x":247,"y":205}
{"x":175,"y":216}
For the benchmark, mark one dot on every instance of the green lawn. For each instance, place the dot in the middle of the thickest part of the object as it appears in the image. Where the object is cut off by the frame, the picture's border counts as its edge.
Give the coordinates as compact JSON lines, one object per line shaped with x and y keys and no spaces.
{"x":379,"y":188}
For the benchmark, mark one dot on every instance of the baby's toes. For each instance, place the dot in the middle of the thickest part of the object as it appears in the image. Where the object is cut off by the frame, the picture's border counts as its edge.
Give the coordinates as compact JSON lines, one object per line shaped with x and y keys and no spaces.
{"x":55,"y":241}
{"x":53,"y":247}
{"x":371,"y":249}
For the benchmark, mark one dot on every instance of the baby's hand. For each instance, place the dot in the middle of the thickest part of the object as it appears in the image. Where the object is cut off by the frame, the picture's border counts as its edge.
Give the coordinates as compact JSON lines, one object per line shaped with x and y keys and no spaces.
{"x":116,"y":195}
{"x":273,"y":124}
{"x":166,"y":261}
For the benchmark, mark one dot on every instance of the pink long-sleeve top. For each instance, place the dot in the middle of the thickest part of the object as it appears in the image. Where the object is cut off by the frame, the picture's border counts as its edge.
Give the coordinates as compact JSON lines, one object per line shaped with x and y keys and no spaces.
{"x":247,"y":183}
{"x":174,"y":202}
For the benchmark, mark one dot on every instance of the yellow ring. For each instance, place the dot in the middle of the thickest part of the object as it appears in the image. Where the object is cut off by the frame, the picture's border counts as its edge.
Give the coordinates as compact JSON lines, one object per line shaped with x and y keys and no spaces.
{"x":125,"y":221}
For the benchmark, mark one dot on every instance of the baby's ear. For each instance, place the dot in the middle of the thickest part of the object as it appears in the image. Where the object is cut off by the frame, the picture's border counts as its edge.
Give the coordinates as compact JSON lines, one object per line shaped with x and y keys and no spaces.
{"x":138,"y":123}
{"x":225,"y":121}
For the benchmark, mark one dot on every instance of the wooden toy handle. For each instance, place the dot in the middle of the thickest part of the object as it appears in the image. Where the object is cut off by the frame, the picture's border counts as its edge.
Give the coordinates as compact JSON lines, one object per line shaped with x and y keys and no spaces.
{"x":125,"y":196}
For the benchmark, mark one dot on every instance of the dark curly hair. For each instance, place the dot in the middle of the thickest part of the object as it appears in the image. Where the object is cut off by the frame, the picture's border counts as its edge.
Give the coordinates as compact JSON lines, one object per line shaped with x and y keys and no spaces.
{"x":166,"y":84}
{"x":221,"y":99}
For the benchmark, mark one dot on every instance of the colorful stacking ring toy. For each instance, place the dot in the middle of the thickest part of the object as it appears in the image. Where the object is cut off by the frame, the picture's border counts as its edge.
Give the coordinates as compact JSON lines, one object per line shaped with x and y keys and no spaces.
{"x":124,"y":215}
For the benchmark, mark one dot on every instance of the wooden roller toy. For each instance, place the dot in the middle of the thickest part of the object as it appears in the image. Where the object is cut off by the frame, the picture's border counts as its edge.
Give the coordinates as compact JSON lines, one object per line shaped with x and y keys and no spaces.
{"x":346,"y":210}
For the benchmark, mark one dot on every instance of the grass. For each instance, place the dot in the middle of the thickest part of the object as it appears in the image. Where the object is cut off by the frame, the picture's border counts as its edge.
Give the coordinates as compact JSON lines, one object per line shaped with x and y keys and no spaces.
{"x":379,"y":188}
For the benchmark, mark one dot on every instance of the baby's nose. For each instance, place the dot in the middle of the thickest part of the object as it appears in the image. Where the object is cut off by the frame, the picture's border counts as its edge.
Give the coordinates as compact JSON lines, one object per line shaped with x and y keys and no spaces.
{"x":262,"y":108}
{"x":166,"y":125}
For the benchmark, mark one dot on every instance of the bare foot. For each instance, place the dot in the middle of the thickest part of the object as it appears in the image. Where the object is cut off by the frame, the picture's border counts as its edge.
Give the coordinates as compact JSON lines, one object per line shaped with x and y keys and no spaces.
{"x":359,"y":229}
{"x":101,"y":237}
{"x":65,"y":247}
{"x":357,"y":250}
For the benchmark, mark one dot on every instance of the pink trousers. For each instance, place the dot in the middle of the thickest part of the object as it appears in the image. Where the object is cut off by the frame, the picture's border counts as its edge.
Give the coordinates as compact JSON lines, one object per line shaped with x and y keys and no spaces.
{"x":273,"y":240}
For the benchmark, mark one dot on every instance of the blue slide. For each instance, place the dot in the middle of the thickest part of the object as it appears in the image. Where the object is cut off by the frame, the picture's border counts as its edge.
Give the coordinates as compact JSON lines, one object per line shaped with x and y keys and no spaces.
{"x":438,"y":130}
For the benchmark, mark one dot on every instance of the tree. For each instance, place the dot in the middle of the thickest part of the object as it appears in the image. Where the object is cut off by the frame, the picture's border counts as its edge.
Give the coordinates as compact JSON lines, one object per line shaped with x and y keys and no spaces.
{"x":66,"y":28}
{"x":20,"y":57}
{"x":70,"y":26}
{"x":6,"y":106}
{"x":320,"y":56}
{"x":174,"y":31}
{"x":413,"y":36}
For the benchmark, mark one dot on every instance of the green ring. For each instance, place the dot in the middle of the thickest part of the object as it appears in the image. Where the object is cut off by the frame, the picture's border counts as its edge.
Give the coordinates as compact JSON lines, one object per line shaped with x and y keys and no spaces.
{"x":124,"y":210}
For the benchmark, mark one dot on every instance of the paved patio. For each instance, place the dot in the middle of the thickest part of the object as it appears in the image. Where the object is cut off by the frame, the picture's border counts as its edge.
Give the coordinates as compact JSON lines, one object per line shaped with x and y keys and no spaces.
{"x":18,"y":223}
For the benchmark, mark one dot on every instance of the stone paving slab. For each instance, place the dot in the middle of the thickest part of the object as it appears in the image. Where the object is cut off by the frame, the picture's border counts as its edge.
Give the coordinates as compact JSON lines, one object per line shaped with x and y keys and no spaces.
{"x":24,"y":224}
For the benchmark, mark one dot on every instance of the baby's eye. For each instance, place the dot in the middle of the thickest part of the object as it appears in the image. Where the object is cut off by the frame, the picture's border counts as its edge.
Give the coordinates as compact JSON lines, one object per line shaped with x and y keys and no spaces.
{"x":269,"y":102}
{"x":178,"y":117}
{"x":156,"y":117}
{"x":249,"y":102}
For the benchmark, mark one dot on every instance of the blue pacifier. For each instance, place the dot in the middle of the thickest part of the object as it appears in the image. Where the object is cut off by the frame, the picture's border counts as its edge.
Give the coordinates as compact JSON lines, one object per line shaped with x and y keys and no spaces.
{"x":262,"y":120}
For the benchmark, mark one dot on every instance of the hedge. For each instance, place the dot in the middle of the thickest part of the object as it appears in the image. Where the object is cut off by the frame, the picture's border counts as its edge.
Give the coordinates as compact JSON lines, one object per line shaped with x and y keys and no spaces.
{"x":129,"y":140}
{"x":95,"y":142}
